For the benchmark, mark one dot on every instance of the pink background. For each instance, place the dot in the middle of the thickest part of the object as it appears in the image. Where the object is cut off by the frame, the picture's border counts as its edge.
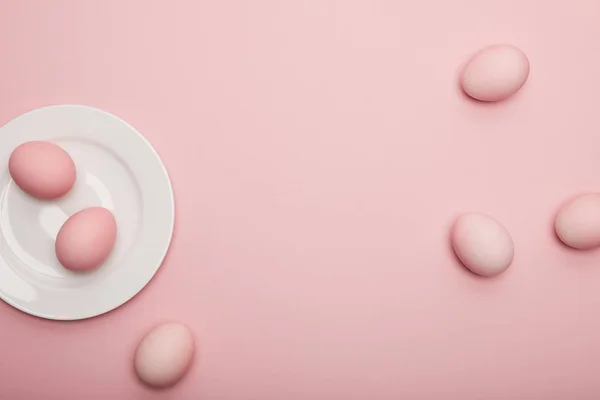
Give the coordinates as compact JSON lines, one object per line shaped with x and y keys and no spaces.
{"x":319,"y":151}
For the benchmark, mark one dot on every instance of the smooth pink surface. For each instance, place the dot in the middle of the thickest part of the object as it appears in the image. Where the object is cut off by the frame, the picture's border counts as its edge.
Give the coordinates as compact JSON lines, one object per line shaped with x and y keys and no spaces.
{"x":86,"y":239}
{"x":495,"y":73}
{"x":42,"y":169}
{"x":482,"y":244}
{"x":320,"y":151}
{"x":578,"y":222}
{"x":164,"y":355}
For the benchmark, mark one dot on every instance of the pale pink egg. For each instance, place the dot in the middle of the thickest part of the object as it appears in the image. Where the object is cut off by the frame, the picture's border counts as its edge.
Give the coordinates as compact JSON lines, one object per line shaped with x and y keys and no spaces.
{"x":42,"y":169}
{"x":86,"y":239}
{"x":164,"y":355}
{"x":495,"y":73}
{"x":482,"y":244}
{"x":577,"y":223}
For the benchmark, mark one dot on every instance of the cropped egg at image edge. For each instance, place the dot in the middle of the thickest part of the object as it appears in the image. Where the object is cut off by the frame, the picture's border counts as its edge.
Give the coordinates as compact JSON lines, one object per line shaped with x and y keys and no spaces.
{"x":307,"y":200}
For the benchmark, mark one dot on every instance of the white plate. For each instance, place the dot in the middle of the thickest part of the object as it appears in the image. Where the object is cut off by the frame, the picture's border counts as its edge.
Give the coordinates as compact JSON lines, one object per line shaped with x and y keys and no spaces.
{"x":116,"y":169}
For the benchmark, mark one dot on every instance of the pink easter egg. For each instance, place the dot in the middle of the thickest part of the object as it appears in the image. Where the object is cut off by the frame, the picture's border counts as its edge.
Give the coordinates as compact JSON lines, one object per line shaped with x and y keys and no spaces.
{"x":482,"y":244}
{"x":164,"y":355}
{"x":577,"y":224}
{"x":495,"y":73}
{"x":86,"y":239}
{"x":42,"y":169}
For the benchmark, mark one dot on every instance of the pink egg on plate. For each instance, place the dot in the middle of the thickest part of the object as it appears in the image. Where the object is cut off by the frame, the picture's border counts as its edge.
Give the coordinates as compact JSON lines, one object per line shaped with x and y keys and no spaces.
{"x":42,"y":169}
{"x":164,"y":355}
{"x":86,"y":239}
{"x":495,"y":73}
{"x":577,"y":223}
{"x":482,"y":244}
